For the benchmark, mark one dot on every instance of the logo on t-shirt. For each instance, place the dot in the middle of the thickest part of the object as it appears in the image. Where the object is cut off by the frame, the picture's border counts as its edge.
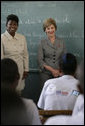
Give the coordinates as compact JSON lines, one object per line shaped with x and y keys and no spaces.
{"x":61,"y":93}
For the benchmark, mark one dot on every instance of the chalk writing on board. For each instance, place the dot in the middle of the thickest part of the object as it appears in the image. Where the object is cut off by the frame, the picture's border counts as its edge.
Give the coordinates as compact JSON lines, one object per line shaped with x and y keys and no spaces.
{"x":73,"y":34}
{"x":28,"y":21}
{"x":13,"y":9}
{"x":46,"y":4}
{"x":66,"y":19}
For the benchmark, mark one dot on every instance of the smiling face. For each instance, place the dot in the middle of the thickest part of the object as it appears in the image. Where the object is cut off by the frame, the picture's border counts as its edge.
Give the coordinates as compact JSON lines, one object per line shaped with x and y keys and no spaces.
{"x":12,"y":27}
{"x":50,"y":30}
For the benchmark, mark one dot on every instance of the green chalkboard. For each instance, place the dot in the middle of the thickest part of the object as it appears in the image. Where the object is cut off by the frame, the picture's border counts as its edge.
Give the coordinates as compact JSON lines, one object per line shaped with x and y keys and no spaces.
{"x":69,"y":16}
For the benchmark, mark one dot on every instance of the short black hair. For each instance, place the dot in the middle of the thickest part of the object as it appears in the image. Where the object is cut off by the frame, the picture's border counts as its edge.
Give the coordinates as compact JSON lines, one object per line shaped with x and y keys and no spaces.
{"x":68,"y":64}
{"x":13,"y":18}
{"x":9,"y":71}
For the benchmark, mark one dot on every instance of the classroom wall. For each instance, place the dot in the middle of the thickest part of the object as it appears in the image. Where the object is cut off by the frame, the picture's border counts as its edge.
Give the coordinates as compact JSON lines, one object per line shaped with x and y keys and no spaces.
{"x":69,"y":16}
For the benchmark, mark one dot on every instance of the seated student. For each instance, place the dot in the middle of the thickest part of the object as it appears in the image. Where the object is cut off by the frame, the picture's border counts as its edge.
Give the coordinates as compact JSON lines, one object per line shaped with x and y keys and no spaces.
{"x":77,"y":117}
{"x":13,"y":110}
{"x":9,"y":80}
{"x":59,"y":93}
{"x":79,"y":106}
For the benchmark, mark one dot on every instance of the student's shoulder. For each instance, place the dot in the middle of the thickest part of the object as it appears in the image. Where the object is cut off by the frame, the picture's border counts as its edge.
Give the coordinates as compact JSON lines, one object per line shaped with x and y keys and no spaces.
{"x":28,"y":102}
{"x":30,"y":106}
{"x":50,"y":82}
{"x":80,"y":98}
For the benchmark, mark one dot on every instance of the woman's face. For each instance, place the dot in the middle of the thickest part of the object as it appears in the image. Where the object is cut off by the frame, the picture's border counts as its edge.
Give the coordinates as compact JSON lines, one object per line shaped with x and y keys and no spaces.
{"x":50,"y":30}
{"x":12,"y":27}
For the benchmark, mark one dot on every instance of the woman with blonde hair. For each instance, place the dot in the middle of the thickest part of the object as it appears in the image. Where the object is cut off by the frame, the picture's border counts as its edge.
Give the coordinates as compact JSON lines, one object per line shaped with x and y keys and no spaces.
{"x":50,"y":50}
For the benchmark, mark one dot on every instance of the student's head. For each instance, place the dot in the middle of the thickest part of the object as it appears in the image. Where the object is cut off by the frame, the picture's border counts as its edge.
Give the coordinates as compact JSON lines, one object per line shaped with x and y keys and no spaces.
{"x":68,"y":64}
{"x":48,"y":22}
{"x":9,"y":73}
{"x":80,"y":76}
{"x":12,"y":23}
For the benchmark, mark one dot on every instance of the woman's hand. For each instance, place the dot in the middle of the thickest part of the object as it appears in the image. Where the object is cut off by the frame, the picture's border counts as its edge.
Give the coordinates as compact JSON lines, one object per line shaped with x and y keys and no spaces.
{"x":25,"y":74}
{"x":55,"y":72}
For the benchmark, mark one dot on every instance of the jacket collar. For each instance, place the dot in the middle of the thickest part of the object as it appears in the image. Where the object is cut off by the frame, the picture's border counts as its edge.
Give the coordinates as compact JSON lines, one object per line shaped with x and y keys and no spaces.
{"x":9,"y":36}
{"x":50,"y":44}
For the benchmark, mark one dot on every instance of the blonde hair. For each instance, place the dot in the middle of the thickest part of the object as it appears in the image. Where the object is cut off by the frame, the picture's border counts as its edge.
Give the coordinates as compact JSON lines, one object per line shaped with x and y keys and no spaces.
{"x":48,"y":22}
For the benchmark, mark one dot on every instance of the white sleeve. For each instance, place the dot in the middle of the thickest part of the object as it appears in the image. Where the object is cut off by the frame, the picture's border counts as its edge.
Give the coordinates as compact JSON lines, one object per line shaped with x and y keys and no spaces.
{"x":41,"y":101}
{"x":32,"y":112}
{"x":78,"y":105}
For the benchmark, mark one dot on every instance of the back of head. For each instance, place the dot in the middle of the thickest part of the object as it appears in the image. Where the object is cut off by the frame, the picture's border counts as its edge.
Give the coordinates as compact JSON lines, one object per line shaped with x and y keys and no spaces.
{"x":9,"y":72}
{"x":80,"y":76}
{"x":68,"y":64}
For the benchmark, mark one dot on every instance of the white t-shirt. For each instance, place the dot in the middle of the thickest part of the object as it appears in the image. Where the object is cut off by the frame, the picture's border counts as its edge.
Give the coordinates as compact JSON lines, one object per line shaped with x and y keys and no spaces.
{"x":32,"y":112}
{"x":79,"y":105}
{"x":77,"y":117}
{"x":59,"y":93}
